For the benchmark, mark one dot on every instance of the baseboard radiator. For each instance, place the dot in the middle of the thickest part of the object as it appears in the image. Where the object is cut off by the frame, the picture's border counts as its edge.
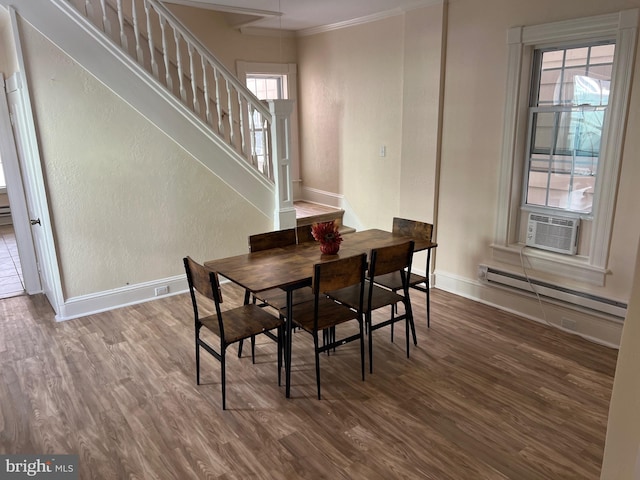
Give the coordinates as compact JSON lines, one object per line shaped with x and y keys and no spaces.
{"x":555,"y":293}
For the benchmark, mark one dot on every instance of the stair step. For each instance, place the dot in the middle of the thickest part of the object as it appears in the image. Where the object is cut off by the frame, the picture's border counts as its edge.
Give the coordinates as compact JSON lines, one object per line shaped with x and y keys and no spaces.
{"x":308,"y":213}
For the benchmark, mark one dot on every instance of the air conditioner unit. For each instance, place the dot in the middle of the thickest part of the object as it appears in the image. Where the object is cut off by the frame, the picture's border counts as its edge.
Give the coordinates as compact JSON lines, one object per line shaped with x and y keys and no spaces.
{"x":557,"y":234}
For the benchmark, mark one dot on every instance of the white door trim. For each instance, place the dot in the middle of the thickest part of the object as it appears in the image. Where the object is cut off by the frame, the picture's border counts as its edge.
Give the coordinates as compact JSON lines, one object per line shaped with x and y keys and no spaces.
{"x":17,"y":200}
{"x":33,"y":180}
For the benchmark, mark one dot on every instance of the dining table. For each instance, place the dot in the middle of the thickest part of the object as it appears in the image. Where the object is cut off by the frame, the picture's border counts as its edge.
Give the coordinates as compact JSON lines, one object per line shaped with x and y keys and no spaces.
{"x":291,"y":267}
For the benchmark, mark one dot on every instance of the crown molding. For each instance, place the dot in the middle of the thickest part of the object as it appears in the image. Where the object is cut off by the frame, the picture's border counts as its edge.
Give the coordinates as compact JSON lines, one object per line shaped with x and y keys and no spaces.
{"x":367,"y":19}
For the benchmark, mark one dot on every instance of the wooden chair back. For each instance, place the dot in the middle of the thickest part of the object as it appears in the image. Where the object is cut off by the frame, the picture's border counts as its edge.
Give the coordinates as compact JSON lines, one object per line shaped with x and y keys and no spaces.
{"x":340,"y":273}
{"x":303,"y":234}
{"x":391,"y":259}
{"x":412,"y":228}
{"x":277,"y":239}
{"x":202,"y":281}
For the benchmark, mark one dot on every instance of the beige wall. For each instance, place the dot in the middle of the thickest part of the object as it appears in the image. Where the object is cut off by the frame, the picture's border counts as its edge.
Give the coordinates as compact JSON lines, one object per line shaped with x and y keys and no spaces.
{"x":423,"y":54}
{"x":229,"y":44}
{"x":474,"y":100}
{"x":378,"y":84}
{"x":363,"y":88}
{"x":127,"y":202}
{"x":8,"y":61}
{"x":622,"y":448}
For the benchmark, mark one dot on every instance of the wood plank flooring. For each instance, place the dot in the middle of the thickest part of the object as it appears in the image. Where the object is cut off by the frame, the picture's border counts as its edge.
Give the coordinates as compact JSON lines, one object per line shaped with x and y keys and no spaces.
{"x":485,"y":395}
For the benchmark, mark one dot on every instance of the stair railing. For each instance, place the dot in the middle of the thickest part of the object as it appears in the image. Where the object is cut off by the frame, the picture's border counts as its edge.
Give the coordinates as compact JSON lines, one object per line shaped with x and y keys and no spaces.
{"x":165,"y":48}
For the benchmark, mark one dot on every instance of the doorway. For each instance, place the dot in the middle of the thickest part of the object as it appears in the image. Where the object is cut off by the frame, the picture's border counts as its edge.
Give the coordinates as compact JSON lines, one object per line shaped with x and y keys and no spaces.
{"x":11,"y":281}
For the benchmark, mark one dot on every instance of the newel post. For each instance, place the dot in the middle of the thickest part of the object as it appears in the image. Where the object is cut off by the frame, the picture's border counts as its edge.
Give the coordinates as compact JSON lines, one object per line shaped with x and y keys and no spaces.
{"x":285,"y":213}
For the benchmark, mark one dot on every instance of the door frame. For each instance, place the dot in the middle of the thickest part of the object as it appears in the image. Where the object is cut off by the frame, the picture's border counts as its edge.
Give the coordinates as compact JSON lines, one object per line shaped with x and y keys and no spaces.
{"x":32,"y":180}
{"x":17,"y":199}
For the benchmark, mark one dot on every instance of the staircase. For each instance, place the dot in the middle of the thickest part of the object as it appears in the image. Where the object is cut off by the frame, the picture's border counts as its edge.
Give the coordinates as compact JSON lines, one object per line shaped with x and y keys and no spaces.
{"x":147,"y":57}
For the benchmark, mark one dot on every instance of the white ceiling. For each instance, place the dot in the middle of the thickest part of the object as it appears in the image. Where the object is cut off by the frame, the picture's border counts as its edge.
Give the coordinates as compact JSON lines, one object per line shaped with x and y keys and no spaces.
{"x":299,"y":15}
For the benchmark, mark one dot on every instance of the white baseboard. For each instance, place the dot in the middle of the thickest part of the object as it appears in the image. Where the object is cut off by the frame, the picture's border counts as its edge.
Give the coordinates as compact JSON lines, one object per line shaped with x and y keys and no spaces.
{"x":120,"y":297}
{"x":595,"y":328}
{"x":322,"y":197}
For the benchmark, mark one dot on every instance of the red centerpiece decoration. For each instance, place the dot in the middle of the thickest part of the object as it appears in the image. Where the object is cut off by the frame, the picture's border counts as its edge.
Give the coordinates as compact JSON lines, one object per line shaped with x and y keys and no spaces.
{"x":327,"y":234}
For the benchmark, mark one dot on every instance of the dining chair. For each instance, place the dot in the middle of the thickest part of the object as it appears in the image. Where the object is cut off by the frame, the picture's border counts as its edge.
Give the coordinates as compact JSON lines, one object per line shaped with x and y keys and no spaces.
{"x":304,"y":235}
{"x":323,"y":313}
{"x":277,"y":298}
{"x":257,"y":243}
{"x":384,"y":261}
{"x":393,"y":281}
{"x":230,"y":326}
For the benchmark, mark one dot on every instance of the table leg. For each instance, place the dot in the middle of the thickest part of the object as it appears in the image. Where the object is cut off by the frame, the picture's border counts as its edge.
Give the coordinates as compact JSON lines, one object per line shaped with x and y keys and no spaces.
{"x":288,"y":342}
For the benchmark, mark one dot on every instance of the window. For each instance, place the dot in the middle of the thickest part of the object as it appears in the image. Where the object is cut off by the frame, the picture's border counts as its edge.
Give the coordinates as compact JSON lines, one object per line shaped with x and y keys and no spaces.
{"x":272,"y":81}
{"x":265,"y":87}
{"x":567,"y":94}
{"x":568,"y":102}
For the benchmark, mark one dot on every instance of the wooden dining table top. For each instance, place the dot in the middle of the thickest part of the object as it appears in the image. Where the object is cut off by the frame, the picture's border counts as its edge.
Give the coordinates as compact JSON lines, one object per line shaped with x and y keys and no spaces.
{"x":292,"y":266}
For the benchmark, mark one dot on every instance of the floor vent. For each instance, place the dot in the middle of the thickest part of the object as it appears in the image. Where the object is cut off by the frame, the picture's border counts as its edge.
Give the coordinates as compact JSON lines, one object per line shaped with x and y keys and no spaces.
{"x":556,"y":293}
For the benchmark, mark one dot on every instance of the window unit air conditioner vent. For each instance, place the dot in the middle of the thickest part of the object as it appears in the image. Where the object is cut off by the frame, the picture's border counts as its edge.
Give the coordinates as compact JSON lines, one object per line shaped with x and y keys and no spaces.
{"x":556,"y":234}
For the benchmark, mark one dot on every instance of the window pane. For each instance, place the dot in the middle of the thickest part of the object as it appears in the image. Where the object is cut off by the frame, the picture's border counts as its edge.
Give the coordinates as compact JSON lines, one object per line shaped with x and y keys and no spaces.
{"x":543,"y":126}
{"x":567,"y":118}
{"x":267,"y":87}
{"x":547,"y":90}
{"x":588,"y":132}
{"x":603,"y":53}
{"x":576,"y":57}
{"x":537,"y":187}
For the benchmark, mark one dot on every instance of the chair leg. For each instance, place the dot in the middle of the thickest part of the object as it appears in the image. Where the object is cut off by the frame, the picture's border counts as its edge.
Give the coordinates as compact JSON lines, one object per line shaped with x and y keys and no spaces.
{"x":406,"y":328}
{"x":280,"y":340}
{"x":223,"y":378}
{"x":428,"y":305}
{"x":197,"y":361}
{"x":317,"y":354}
{"x":362,"y":348}
{"x":368,"y":323}
{"x":247,"y":298}
{"x":409,"y":314}
{"x":253,"y":349}
{"x":393,"y":311}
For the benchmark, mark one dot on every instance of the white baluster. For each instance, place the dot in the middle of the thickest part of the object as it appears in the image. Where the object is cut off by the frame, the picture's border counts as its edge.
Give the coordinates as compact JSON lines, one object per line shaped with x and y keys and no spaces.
{"x":152,"y":47}
{"x":232,"y":130}
{"x":165,"y":55}
{"x":194,"y":81}
{"x":183,"y":91}
{"x":267,"y":168}
{"x":252,"y":135}
{"x":205,"y":87}
{"x":241,"y":113}
{"x":218,"y":101}
{"x":136,"y":32}
{"x":106,"y":24}
{"x":88,"y":9}
{"x":124,"y":41}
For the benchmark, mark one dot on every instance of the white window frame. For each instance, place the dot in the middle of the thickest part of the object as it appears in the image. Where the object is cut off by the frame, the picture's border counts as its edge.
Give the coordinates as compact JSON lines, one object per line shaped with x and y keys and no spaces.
{"x":291,"y":71}
{"x":591,"y":268}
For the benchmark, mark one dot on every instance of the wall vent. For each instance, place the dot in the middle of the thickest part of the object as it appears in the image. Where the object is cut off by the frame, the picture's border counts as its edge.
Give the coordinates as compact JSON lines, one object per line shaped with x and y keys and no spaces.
{"x":557,"y":234}
{"x":555,"y":293}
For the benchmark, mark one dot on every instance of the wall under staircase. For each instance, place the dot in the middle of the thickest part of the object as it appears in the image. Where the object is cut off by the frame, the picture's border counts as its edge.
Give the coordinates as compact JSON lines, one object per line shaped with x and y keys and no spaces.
{"x":63,"y":25}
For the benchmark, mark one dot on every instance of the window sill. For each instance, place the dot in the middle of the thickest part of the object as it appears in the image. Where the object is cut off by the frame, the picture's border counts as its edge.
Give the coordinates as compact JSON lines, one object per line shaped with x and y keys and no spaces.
{"x":574,"y":267}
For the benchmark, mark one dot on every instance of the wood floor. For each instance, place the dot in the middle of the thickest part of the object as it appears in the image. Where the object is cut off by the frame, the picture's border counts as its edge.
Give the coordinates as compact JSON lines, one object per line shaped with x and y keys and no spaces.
{"x":485,"y":395}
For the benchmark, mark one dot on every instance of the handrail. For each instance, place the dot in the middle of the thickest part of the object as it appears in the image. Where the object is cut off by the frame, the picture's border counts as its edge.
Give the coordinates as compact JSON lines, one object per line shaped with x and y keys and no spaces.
{"x":189,"y":71}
